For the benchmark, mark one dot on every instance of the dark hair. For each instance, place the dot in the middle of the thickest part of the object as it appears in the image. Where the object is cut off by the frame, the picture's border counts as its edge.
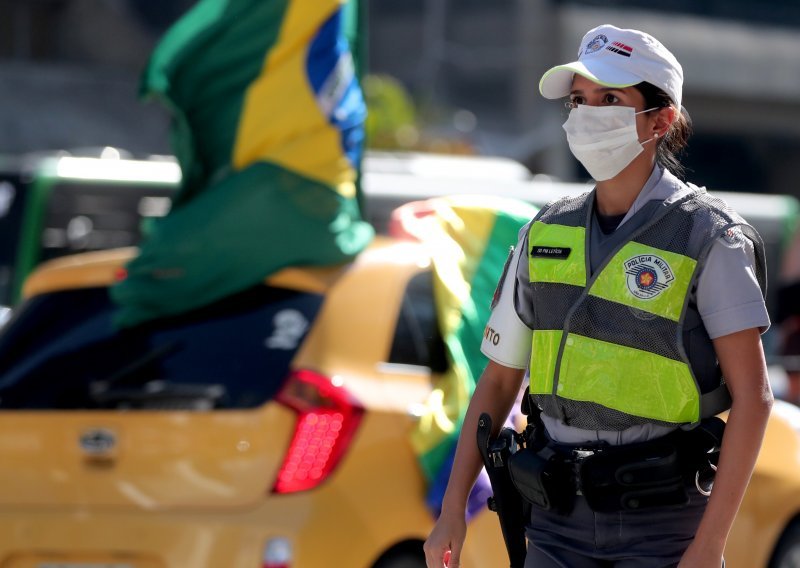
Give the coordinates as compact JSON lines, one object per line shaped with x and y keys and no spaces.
{"x":677,"y":137}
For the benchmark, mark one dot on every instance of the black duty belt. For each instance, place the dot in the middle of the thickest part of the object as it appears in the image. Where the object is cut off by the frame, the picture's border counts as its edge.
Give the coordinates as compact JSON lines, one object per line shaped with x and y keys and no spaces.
{"x":636,"y":476}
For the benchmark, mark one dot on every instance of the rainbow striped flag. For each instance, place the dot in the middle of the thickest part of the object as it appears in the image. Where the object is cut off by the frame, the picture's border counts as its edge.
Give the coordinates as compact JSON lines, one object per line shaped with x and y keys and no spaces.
{"x":469,"y":237}
{"x":268,"y":128}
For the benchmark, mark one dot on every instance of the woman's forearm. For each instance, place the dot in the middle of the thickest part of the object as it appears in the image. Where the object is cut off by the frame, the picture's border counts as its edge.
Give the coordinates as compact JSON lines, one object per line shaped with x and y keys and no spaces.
{"x":494,"y":394}
{"x":741,"y":358}
{"x":742,"y":441}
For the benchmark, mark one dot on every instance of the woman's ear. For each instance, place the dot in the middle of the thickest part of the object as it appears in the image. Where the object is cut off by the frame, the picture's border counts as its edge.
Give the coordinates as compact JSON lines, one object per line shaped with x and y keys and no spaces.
{"x":664,"y":119}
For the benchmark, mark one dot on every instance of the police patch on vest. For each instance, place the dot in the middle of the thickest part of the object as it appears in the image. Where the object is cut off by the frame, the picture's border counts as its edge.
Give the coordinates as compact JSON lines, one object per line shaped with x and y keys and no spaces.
{"x":648,"y":275}
{"x":550,"y":252}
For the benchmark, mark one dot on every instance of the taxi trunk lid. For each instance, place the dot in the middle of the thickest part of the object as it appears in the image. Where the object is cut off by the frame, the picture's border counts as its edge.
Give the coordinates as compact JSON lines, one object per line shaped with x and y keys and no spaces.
{"x":145,"y":460}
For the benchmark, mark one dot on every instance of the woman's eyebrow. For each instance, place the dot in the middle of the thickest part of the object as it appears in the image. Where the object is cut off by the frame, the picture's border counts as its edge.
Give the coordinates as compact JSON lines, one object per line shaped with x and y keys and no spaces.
{"x":597,"y":90}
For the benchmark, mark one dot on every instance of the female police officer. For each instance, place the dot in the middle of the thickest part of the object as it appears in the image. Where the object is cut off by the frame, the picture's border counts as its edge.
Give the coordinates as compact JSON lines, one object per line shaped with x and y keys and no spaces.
{"x":627,"y":308}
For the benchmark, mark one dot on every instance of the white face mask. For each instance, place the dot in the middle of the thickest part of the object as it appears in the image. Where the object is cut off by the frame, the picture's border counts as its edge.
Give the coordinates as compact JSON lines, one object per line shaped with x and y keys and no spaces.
{"x":603,"y":138}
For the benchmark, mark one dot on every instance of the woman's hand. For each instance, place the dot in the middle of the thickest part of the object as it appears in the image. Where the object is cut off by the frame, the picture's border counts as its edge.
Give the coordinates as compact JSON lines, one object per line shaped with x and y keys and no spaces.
{"x":443,"y":547}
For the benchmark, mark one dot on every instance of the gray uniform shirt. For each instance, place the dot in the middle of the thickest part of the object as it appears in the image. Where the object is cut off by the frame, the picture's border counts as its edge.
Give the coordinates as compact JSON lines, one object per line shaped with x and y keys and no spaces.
{"x":727,"y":296}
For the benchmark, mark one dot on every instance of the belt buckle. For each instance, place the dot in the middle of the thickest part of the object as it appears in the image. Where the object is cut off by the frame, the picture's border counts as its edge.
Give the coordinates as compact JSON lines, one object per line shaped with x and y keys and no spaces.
{"x":582,"y":454}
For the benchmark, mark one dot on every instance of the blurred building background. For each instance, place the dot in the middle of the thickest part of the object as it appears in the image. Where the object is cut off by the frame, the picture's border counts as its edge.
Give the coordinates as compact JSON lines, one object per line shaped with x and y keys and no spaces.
{"x":484,"y":60}
{"x":463,"y":73}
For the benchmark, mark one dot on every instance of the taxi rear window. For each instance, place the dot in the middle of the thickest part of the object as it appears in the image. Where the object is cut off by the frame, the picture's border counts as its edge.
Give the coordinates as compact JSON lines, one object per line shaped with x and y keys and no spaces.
{"x":417,"y":337}
{"x":62,"y":351}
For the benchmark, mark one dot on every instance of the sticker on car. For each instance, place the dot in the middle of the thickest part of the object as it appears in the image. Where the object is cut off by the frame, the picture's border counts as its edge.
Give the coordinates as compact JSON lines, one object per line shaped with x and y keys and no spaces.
{"x":289,"y":326}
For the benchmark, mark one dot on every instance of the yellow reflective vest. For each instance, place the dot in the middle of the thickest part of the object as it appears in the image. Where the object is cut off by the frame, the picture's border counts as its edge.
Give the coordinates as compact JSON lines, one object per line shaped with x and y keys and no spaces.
{"x":609,"y":348}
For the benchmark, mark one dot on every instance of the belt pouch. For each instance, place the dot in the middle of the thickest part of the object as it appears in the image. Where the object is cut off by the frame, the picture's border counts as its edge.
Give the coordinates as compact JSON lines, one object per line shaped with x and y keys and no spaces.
{"x":546,"y":483}
{"x":633,"y":477}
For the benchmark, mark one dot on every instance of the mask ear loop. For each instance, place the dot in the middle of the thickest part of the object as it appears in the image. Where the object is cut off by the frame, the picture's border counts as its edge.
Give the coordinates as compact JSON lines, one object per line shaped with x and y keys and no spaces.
{"x":655,"y":134}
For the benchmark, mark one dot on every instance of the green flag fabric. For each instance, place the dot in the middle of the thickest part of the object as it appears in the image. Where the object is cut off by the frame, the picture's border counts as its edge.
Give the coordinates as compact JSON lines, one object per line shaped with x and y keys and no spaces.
{"x":268,"y":123}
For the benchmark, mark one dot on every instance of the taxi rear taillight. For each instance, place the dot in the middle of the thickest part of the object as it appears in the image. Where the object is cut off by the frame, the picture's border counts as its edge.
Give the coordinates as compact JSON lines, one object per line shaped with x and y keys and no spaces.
{"x":327,"y":419}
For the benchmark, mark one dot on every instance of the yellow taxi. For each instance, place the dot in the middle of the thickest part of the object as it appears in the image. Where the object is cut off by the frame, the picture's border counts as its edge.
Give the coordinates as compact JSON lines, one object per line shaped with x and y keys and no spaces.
{"x":766,"y":533}
{"x":269,"y":430}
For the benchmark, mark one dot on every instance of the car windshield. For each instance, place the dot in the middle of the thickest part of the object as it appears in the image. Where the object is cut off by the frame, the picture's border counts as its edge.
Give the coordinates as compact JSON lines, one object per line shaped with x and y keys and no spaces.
{"x":62,"y":351}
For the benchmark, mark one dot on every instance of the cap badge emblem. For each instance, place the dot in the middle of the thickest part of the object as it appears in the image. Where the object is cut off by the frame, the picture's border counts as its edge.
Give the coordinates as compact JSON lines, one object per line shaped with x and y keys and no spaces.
{"x":596,"y":44}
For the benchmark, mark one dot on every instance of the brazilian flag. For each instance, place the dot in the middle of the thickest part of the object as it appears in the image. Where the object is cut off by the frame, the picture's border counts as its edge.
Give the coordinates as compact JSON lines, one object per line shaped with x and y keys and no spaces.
{"x":268,"y":129}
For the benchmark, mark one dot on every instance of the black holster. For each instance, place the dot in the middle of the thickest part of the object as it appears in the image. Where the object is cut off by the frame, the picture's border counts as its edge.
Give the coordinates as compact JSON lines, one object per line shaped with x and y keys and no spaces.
{"x":543,"y":479}
{"x":511,"y":509}
{"x":539,"y":475}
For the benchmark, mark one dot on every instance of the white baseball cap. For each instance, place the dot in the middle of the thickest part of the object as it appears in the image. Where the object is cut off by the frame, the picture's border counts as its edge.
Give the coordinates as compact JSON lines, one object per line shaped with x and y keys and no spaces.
{"x":615,"y":57}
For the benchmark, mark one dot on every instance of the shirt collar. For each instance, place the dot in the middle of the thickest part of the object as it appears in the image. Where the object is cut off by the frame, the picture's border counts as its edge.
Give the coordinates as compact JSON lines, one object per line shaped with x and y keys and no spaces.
{"x":662,"y":185}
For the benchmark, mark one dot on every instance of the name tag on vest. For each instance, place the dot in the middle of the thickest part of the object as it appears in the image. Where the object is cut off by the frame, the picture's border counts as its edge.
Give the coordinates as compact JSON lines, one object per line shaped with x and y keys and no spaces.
{"x":550,"y":252}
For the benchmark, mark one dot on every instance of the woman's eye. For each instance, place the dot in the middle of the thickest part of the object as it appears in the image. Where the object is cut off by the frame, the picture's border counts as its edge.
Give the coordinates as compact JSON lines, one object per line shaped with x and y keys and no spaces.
{"x":575,"y":101}
{"x":610,"y":99}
